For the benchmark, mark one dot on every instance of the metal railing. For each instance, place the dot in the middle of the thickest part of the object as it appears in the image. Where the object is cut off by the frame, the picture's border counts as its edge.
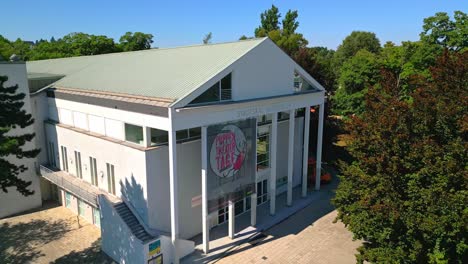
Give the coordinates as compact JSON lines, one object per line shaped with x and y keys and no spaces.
{"x":54,"y":176}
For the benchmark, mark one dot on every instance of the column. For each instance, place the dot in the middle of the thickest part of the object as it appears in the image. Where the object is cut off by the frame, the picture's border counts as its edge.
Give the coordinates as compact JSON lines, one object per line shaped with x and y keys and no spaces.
{"x":231,"y":219}
{"x":173,"y":185}
{"x":147,"y":136}
{"x":253,"y":209}
{"x":319,"y":146}
{"x":292,"y":119}
{"x":305,"y":153}
{"x":274,"y":135}
{"x":204,"y":166}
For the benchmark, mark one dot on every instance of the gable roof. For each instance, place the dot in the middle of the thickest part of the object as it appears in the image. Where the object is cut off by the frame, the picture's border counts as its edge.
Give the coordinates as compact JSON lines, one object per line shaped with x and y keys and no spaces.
{"x":169,"y":73}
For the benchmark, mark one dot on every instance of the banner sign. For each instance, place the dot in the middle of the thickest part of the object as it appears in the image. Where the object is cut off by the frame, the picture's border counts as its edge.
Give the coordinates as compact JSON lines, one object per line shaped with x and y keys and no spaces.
{"x":231,"y":162}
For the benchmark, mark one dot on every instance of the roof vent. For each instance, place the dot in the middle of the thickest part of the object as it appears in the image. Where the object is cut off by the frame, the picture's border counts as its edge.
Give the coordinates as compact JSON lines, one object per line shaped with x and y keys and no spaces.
{"x":15,"y":57}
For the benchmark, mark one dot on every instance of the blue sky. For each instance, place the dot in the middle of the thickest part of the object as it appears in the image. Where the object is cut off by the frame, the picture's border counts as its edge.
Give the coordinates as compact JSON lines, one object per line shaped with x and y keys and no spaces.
{"x":176,"y":23}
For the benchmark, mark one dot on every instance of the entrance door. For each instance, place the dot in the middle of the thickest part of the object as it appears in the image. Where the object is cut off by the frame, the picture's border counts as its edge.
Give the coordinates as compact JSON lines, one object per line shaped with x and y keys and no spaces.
{"x":262,"y":191}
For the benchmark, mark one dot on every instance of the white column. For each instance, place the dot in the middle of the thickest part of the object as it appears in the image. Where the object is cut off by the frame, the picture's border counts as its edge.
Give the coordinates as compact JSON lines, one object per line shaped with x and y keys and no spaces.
{"x":173,"y":192}
{"x":292,"y":119}
{"x":274,"y":135}
{"x":319,"y":146}
{"x":147,"y":136}
{"x":204,"y":166}
{"x":253,"y":209}
{"x":305,"y":153}
{"x":231,"y":219}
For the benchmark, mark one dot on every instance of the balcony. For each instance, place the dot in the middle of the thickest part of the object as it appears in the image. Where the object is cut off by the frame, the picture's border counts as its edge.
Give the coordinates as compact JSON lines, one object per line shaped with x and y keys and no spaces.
{"x":79,"y":188}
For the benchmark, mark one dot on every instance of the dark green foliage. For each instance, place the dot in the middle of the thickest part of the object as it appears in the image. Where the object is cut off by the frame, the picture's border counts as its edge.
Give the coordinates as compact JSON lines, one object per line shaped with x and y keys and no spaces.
{"x":356,"y":41}
{"x":73,"y":44}
{"x":451,"y":34}
{"x":135,"y":41}
{"x":286,"y":37}
{"x":12,"y":116}
{"x":405,"y":193}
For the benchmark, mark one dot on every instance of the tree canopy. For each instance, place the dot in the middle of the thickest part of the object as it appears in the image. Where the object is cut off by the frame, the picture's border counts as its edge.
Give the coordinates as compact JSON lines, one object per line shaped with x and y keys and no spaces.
{"x":11,"y":145}
{"x":405,"y":193}
{"x":73,"y":44}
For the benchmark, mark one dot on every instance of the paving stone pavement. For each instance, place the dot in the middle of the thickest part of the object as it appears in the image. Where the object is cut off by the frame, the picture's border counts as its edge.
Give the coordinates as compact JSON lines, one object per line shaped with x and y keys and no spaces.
{"x":298,"y":240}
{"x":50,"y":235}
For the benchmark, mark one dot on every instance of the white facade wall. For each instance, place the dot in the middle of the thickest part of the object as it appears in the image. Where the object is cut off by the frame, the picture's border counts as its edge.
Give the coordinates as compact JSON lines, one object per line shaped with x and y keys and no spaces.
{"x":13,"y":202}
{"x":263,"y":72}
{"x":129,"y":163}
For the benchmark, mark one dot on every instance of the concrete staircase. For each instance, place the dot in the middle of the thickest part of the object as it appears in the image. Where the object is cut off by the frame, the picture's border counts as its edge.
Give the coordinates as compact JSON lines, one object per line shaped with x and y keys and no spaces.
{"x":132,"y":222}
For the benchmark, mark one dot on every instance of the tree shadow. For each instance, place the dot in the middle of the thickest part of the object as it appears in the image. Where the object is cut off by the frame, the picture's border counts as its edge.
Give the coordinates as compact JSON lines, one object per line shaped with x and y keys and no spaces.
{"x":20,"y":242}
{"x":92,"y":254}
{"x":133,"y":194}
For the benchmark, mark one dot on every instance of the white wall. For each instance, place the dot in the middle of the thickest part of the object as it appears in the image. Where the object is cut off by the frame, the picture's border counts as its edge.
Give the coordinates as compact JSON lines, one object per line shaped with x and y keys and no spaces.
{"x":117,"y":240}
{"x":264,"y":71}
{"x":189,"y":176}
{"x":13,"y":202}
{"x":129,"y":163}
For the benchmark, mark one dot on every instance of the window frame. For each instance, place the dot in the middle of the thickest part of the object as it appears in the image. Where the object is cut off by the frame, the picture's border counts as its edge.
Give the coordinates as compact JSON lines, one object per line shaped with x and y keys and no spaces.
{"x":220,"y":89}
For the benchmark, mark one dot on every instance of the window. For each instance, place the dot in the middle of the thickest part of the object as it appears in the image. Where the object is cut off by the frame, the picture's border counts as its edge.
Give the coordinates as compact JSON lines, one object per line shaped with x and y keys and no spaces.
{"x":64,"y":158}
{"x":134,"y":134}
{"x":301,"y":85}
{"x":81,"y":208}
{"x":262,"y":192}
{"x":239,"y":207}
{"x":79,"y":172}
{"x":283,"y":115}
{"x":96,"y":217}
{"x":265,"y":119}
{"x":263,"y":147}
{"x":159,"y":137}
{"x":93,"y":170}
{"x":110,"y":178}
{"x":52,"y":154}
{"x":67,"y":199}
{"x":220,"y":91}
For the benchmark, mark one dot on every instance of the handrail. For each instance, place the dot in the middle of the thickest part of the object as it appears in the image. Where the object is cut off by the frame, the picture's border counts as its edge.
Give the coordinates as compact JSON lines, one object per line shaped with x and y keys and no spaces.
{"x":149,"y":230}
{"x":54,"y":177}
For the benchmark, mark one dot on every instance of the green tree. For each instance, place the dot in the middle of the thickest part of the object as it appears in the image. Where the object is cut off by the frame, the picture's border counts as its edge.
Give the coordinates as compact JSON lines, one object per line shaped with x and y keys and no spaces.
{"x":269,"y":21}
{"x":135,"y":41}
{"x":80,"y":44}
{"x":356,"y":74}
{"x":405,"y":192}
{"x":451,"y":34}
{"x":207,"y":38}
{"x":355,"y":42}
{"x":12,"y":116}
{"x":286,"y":37}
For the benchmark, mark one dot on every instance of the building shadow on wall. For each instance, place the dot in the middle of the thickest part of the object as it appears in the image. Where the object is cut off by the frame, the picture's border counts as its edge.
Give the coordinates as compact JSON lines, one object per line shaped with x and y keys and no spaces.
{"x":20,"y":242}
{"x":92,"y":254}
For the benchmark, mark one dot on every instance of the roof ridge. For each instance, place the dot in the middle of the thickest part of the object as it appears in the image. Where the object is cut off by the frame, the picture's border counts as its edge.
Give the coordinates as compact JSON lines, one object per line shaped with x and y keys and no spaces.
{"x":152,"y":50}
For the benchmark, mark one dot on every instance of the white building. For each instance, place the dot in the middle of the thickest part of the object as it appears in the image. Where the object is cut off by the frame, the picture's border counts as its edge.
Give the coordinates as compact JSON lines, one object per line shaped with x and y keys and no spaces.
{"x":13,"y":202}
{"x":126,"y":139}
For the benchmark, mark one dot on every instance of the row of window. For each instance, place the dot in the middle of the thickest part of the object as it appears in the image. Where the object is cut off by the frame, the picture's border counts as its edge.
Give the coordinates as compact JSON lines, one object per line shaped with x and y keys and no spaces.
{"x":82,"y":209}
{"x":132,"y":133}
{"x":110,"y":171}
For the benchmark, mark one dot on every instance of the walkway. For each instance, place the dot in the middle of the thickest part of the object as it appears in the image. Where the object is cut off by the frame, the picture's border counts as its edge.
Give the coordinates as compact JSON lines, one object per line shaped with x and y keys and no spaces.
{"x":52,"y":234}
{"x":312,"y":208}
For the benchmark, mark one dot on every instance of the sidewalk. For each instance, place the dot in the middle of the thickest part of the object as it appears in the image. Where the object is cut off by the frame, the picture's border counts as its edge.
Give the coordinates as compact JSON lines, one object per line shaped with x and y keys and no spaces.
{"x":221,"y":244}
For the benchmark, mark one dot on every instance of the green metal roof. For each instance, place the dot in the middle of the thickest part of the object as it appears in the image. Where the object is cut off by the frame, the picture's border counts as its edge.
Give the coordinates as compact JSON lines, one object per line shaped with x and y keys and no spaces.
{"x":170,"y":73}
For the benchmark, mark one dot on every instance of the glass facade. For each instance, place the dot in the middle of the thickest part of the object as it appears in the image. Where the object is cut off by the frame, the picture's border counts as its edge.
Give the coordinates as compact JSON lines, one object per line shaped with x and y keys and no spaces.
{"x":134,"y":134}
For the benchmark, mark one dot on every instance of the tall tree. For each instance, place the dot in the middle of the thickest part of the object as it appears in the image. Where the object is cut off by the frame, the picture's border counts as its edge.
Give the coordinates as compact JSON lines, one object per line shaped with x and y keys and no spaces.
{"x":269,"y":21}
{"x":451,"y":34}
{"x":285,"y":37}
{"x":355,"y":42}
{"x":12,"y":116}
{"x":135,"y":41}
{"x":207,"y":38}
{"x":405,"y":193}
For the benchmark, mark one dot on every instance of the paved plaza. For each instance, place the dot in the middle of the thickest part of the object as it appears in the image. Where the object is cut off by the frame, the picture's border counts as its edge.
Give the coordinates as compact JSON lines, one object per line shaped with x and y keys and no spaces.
{"x":50,"y":235}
